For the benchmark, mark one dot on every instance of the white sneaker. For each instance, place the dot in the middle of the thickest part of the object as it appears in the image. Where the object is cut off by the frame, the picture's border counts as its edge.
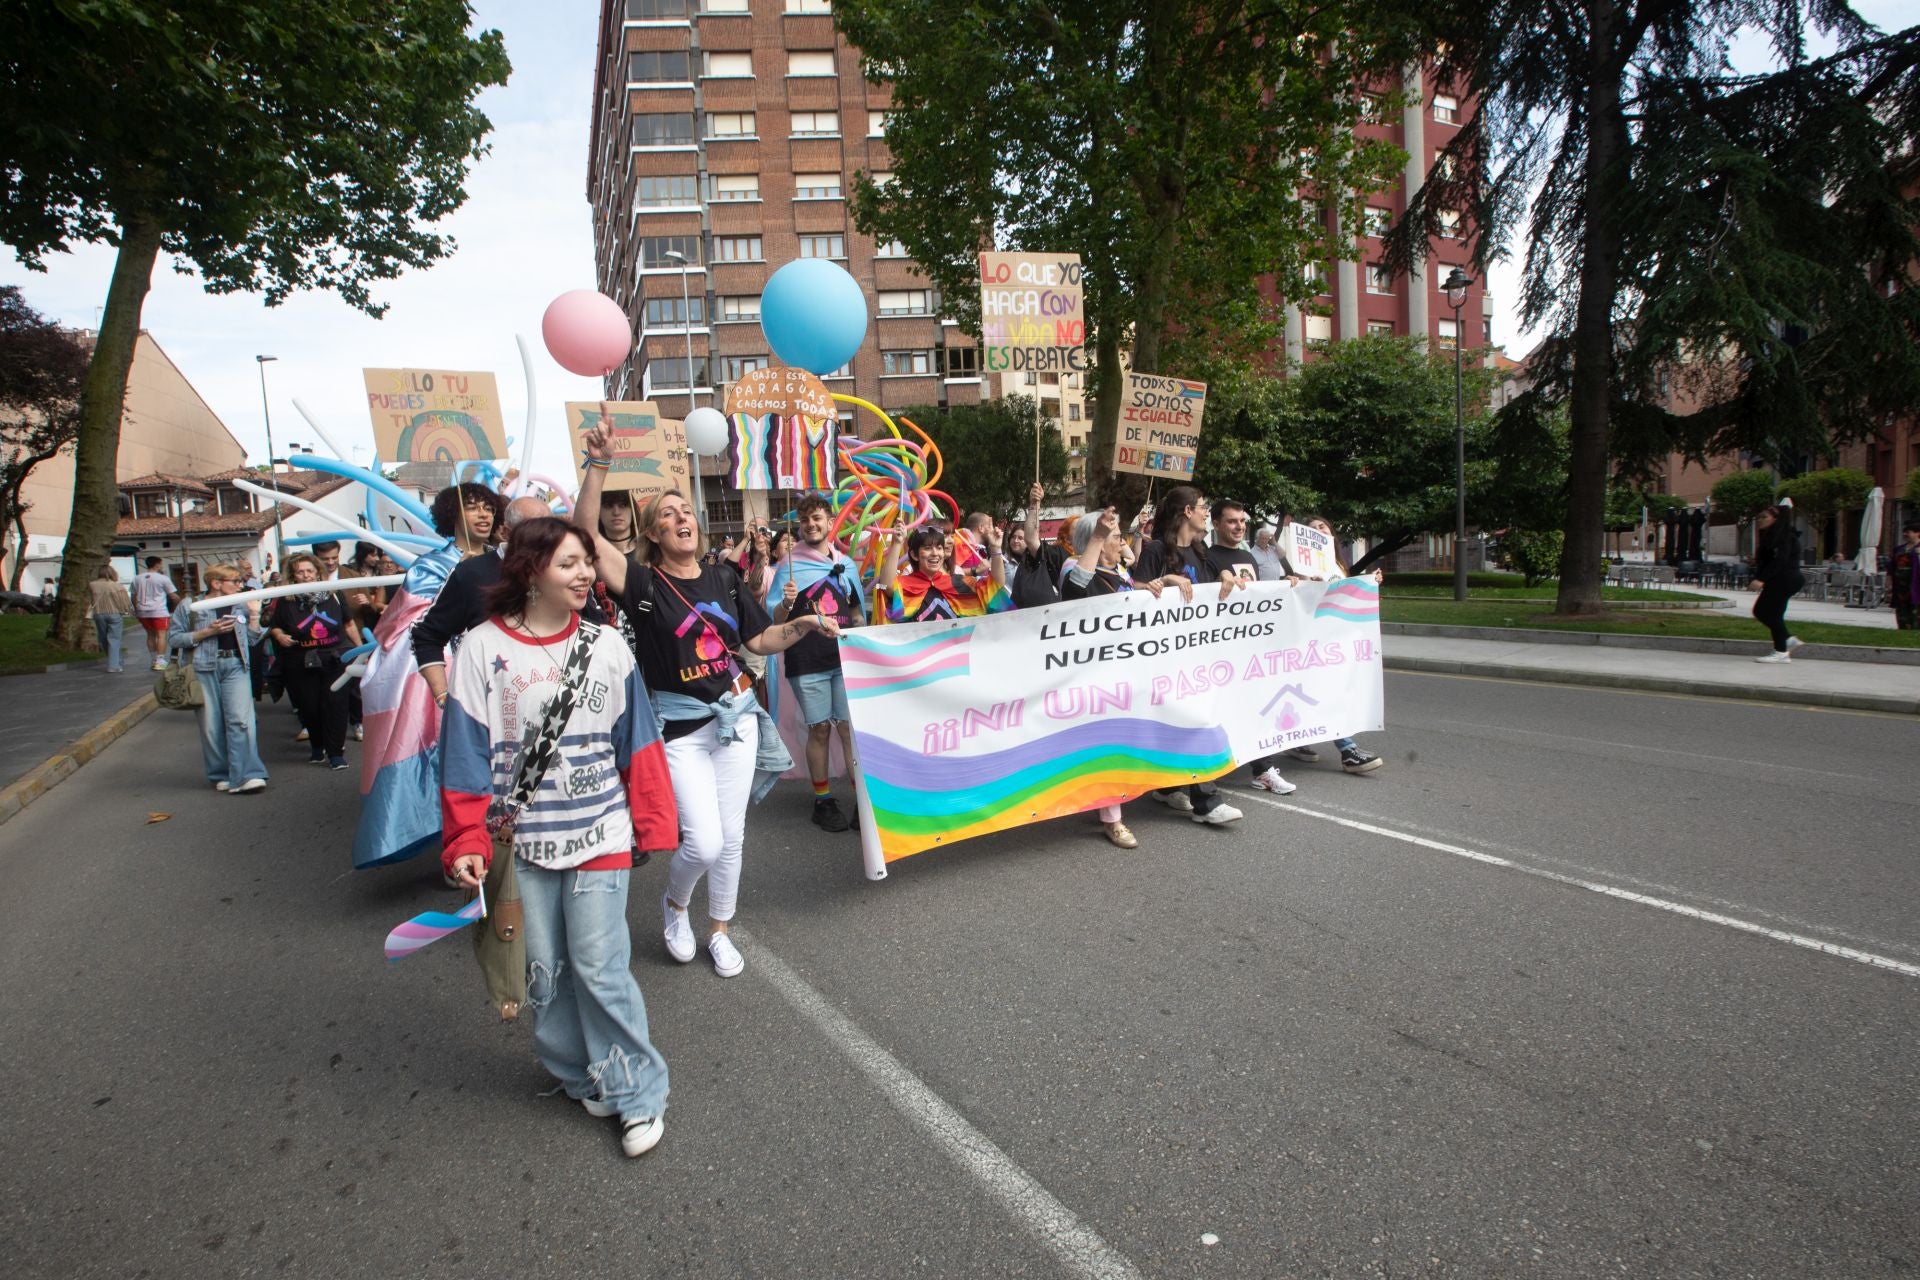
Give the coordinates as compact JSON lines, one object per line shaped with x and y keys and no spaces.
{"x":159,"y":664}
{"x":223,"y":785}
{"x":679,"y":934}
{"x":250,"y":786}
{"x":1269,"y":779}
{"x":300,"y":736}
{"x":359,"y":733}
{"x":1775,"y":657}
{"x":1794,"y":642}
{"x":641,"y":1134}
{"x":599,"y":1110}
{"x":1178,"y":801}
{"x":1219,"y":816}
{"x":727,"y":960}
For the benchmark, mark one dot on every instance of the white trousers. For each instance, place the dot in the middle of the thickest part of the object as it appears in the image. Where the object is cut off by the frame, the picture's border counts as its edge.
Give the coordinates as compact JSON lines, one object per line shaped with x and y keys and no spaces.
{"x":711,"y":786}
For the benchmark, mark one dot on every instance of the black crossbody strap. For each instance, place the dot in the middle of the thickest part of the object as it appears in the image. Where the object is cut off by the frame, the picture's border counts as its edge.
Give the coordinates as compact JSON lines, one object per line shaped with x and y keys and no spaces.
{"x":542,"y":744}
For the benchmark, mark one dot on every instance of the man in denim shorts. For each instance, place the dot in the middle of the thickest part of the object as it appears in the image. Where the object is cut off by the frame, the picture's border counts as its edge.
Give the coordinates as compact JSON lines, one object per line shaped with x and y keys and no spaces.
{"x":816,"y":578}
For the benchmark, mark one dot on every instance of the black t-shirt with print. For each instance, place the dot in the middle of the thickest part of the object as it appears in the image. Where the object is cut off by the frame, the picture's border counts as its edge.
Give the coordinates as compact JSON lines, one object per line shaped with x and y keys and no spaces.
{"x":1105,"y":582}
{"x":1157,"y":560}
{"x":322,"y":618}
{"x":831,"y":596}
{"x":1240,"y":564}
{"x":685,"y":628}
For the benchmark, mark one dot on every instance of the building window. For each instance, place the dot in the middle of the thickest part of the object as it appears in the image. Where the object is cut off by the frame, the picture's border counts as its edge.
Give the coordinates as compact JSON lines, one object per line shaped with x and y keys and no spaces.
{"x":1379,"y":328}
{"x":149,"y":505}
{"x":844,"y":371}
{"x":822,"y":246}
{"x":730,"y":124}
{"x":1319,"y":330}
{"x":673,"y":129}
{"x":1073,"y":413}
{"x":728,"y":66}
{"x":1377,"y":221}
{"x":736,"y":248}
{"x":817,"y":186}
{"x":1449,"y":224}
{"x":906,"y":302}
{"x":734,"y":368}
{"x":1314,"y":276}
{"x":745,"y":306}
{"x":877,"y":124}
{"x":882,"y":180}
{"x":960,"y":362}
{"x":658,"y":66}
{"x":653,"y":10}
{"x":1379,"y":278}
{"x":1446,"y":108}
{"x":1449,"y":335}
{"x":670,"y":313}
{"x":671,"y":371}
{"x":810,"y":63}
{"x":1442,"y":165}
{"x":897,"y":363}
{"x":656,"y":193}
{"x":728,"y":6}
{"x":1311,"y":214}
{"x":1486,"y":326}
{"x":809,"y":6}
{"x":1373,"y":108}
{"x":815,"y":124}
{"x":736,"y":186}
{"x":654,"y":251}
{"x":890,"y":249}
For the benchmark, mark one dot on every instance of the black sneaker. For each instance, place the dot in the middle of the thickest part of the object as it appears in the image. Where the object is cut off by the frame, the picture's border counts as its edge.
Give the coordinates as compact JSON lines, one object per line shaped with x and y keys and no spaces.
{"x":317,"y":756}
{"x":1302,"y":753}
{"x":1354,"y":760}
{"x":827,"y":815}
{"x":336,"y":762}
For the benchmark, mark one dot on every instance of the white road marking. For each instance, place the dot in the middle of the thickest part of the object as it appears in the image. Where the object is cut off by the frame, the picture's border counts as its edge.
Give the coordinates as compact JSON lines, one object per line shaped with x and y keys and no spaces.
{"x":1869,"y":958}
{"x":1641,"y":748}
{"x":1076,"y":1245}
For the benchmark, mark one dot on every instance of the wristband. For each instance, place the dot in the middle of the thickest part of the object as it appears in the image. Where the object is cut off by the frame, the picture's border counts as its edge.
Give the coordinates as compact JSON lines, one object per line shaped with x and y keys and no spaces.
{"x":597,"y":462}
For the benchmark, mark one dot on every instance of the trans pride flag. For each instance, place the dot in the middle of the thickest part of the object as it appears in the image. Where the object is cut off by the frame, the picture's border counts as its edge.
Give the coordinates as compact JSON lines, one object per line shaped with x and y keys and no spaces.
{"x":400,"y":765}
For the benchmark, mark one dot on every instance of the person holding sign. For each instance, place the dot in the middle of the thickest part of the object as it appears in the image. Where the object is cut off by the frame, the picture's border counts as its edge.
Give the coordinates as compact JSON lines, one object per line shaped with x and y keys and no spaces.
{"x":927,"y":592}
{"x":1175,"y":549}
{"x":1352,"y":757}
{"x":691,"y":618}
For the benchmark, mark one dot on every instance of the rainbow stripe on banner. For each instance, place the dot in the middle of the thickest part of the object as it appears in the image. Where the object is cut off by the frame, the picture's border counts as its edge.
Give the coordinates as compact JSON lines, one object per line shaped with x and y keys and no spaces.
{"x":873,"y":667}
{"x":431,"y":926}
{"x":1351,"y":600}
{"x":1192,"y":390}
{"x":919,"y":803}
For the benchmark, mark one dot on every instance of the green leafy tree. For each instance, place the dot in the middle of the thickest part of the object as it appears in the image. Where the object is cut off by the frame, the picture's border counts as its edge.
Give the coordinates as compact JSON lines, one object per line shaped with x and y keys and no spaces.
{"x":1678,"y":207}
{"x":1912,"y":495}
{"x":42,"y":367}
{"x":1535,"y":553}
{"x":266,"y":146}
{"x":987,"y":451}
{"x":1744,"y":494}
{"x":1163,"y":143}
{"x":1820,"y":494}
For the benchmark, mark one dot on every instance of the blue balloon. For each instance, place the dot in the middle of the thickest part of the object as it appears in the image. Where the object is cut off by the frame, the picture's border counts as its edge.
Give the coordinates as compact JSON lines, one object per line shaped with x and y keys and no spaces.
{"x":814,"y":315}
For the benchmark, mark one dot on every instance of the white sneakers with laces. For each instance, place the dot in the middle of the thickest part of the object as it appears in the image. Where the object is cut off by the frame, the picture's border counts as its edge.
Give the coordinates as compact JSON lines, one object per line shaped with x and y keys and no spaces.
{"x":679,"y":934}
{"x":1269,"y":779}
{"x":727,"y":960}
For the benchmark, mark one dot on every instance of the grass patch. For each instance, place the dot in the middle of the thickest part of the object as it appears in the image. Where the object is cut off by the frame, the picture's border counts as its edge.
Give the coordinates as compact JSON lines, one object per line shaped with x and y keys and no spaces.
{"x":1713,"y":624}
{"x":24,"y":643}
{"x":1511,"y":586}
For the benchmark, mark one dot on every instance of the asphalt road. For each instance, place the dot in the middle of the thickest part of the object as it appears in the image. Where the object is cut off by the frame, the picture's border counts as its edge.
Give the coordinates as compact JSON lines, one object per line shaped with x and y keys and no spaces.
{"x":1306,"y":1045}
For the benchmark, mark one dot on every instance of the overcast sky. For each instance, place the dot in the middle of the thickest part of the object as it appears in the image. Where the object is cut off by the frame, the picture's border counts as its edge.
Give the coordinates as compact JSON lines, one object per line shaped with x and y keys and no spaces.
{"x":524,"y":235}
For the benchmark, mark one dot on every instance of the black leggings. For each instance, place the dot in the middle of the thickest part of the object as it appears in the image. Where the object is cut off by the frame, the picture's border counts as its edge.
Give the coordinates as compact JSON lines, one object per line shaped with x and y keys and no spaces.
{"x":1770,"y":610}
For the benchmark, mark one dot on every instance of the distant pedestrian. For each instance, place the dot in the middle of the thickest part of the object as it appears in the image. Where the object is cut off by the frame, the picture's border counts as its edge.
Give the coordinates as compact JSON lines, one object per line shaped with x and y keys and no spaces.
{"x":153,"y":602}
{"x":220,"y":642}
{"x":1776,"y":576}
{"x":309,"y":633}
{"x":111,"y":605}
{"x":1903,"y":571}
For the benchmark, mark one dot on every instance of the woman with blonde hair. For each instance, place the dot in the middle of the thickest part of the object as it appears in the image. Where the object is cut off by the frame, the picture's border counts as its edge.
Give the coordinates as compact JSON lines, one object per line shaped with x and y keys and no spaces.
{"x":219,"y":641}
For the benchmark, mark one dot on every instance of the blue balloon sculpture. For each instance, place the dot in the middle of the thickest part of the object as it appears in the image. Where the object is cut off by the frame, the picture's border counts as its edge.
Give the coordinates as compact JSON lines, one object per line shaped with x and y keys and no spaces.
{"x":814,"y":315}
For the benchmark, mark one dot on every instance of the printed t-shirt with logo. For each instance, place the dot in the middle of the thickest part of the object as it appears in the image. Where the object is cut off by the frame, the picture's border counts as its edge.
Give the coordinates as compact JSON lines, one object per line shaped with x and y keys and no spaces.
{"x":686,"y":629}
{"x":1104,"y":582}
{"x":827,"y":586}
{"x":1243,"y":565}
{"x":1157,"y":561}
{"x":320,"y":618}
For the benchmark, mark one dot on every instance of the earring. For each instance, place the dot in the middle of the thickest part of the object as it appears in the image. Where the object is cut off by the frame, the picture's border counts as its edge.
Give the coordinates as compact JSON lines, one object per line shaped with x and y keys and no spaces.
{"x":533,"y":594}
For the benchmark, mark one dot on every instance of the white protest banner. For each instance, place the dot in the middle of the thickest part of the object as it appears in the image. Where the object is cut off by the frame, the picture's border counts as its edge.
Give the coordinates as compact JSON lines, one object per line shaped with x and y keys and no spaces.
{"x":969,"y":726}
{"x":1031,"y":313}
{"x":1159,"y":431}
{"x":1309,"y":551}
{"x":435,"y":415}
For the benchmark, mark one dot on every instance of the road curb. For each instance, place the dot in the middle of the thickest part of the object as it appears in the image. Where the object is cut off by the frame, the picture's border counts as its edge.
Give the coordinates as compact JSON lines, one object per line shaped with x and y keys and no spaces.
{"x":1672,"y":644}
{"x":1657,"y":684}
{"x":44,"y":777}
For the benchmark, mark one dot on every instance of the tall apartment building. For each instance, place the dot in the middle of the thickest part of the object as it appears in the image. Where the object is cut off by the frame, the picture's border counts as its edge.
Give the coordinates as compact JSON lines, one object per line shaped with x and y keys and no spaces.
{"x":727,"y":135}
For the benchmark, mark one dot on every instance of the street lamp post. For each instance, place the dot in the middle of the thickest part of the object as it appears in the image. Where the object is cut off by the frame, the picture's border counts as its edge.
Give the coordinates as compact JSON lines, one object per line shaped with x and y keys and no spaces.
{"x":273,"y":482}
{"x":1456,"y":286}
{"x":686,"y":319}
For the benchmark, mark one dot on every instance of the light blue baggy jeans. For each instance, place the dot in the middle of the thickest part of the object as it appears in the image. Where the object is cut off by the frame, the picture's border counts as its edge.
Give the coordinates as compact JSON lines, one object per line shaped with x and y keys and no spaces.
{"x":107,"y":627}
{"x":589,"y":1018}
{"x":229,"y":744}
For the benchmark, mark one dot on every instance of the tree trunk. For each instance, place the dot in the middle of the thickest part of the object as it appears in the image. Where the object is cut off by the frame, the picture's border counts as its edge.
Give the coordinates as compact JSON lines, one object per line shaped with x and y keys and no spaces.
{"x":1105,"y":488}
{"x":1592,"y":392}
{"x":20,"y":548}
{"x":103,"y":402}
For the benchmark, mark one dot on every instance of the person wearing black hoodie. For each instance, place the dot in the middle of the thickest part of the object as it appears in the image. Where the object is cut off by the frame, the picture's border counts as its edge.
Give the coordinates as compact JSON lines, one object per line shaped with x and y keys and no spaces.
{"x":1776,"y":576}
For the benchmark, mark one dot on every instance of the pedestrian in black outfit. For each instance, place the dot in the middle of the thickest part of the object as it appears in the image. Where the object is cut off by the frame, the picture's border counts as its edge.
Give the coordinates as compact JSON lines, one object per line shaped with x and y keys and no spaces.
{"x":309,"y":632}
{"x":1776,"y":576}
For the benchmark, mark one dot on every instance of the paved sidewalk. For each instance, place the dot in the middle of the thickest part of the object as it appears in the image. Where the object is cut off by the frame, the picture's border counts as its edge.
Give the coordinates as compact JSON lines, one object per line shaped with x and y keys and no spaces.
{"x":42,"y":714}
{"x":1799,"y":609}
{"x":1859,"y":685}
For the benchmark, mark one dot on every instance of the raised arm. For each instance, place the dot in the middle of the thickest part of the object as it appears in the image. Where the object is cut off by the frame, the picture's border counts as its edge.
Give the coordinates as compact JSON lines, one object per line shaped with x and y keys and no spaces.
{"x":1034,"y":495}
{"x":608,"y":560}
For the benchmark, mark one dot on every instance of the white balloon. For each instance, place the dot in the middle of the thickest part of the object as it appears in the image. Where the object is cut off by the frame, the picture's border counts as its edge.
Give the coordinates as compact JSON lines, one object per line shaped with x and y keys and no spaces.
{"x":707,"y":431}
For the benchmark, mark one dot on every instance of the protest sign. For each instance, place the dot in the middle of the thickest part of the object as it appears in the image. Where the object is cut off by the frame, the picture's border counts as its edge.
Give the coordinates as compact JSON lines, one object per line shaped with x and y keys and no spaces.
{"x":435,"y":415}
{"x":784,"y":393}
{"x":1159,"y":430}
{"x":969,"y":726}
{"x":1309,"y":551}
{"x":1031,"y":313}
{"x":649,"y":452}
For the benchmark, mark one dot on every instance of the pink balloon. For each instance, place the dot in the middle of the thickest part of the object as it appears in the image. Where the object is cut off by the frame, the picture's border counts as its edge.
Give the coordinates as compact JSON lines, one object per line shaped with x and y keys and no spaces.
{"x":586,"y":333}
